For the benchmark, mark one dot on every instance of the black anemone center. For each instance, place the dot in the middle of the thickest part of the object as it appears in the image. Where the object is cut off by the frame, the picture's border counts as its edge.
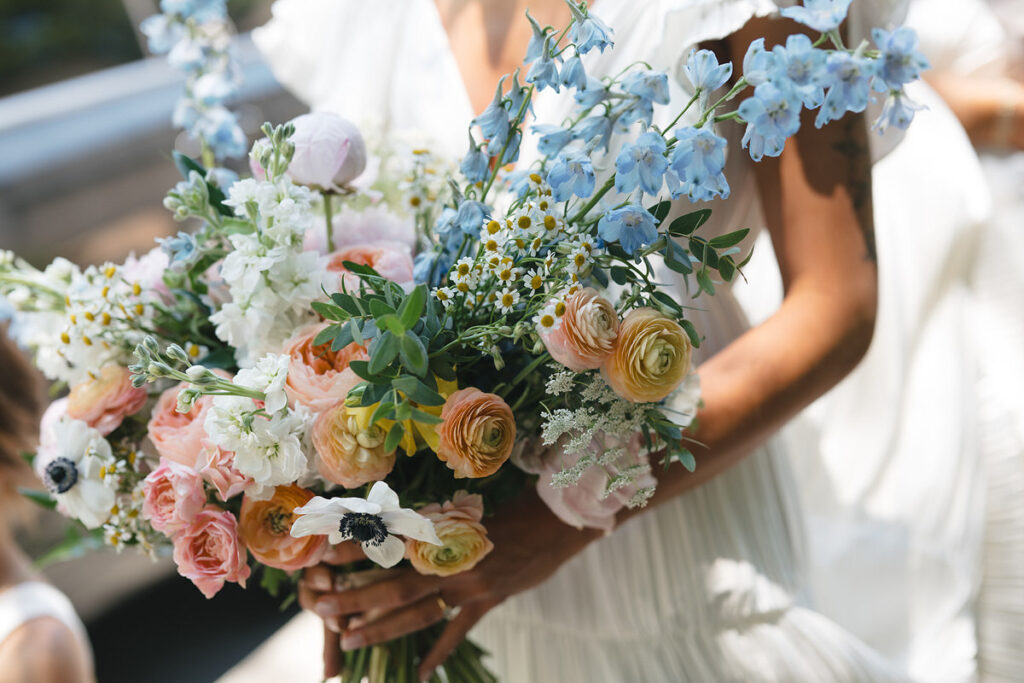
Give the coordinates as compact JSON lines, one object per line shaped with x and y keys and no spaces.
{"x":363,"y":527}
{"x":60,"y":475}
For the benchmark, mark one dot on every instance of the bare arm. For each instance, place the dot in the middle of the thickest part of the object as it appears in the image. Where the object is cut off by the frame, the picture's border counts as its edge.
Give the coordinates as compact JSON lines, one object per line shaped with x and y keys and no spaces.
{"x":990,"y":109}
{"x":817,"y":204}
{"x":43,"y":651}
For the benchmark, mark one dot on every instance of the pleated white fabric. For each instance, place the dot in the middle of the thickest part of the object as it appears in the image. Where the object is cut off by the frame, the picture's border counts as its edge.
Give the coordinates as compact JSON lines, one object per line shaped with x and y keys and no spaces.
{"x":709,"y":586}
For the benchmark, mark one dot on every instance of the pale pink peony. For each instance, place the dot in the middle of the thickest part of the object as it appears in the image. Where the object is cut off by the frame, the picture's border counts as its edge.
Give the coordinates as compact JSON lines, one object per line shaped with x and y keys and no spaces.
{"x":583,"y":504}
{"x":178,"y":436}
{"x":391,"y":260}
{"x":106,"y":399}
{"x":217,"y":466}
{"x":174,"y":495}
{"x":209,"y":551}
{"x":372,"y":225}
{"x":586,"y":336}
{"x":329,"y":151}
{"x":318,"y":378}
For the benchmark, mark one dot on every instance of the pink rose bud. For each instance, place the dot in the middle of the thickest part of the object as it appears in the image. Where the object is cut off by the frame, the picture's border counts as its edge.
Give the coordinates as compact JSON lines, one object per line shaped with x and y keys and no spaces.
{"x":178,"y":436}
{"x":209,"y":551}
{"x":173,"y":497}
{"x":329,"y":151}
{"x":105,"y":400}
{"x":217,"y":466}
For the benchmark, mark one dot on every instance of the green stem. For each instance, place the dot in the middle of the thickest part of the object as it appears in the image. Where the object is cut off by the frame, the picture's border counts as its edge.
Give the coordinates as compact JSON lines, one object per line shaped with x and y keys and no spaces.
{"x":609,"y":184}
{"x":512,"y":131}
{"x":534,"y":364}
{"x":209,"y":161}
{"x":689,"y":104}
{"x":735,"y":90}
{"x":328,"y":216}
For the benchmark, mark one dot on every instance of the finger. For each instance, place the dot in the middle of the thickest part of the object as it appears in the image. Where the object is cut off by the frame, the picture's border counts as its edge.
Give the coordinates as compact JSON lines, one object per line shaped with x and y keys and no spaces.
{"x":405,"y":588}
{"x":319,"y":578}
{"x":344,"y":553}
{"x":332,"y":653}
{"x":453,"y":634}
{"x":395,"y":624}
{"x":307,"y":596}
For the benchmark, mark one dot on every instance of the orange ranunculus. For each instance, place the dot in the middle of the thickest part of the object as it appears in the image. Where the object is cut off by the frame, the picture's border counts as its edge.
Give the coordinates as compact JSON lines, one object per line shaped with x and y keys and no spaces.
{"x":346,"y":454}
{"x":464,"y":538}
{"x":586,"y":335}
{"x":266,"y":525}
{"x":318,"y":377}
{"x":104,"y":400}
{"x":477,"y":434}
{"x":651,"y":357}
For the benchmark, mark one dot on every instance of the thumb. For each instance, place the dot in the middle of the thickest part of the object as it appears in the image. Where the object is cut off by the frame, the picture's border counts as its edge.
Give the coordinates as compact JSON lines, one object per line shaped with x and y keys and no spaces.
{"x":453,"y":634}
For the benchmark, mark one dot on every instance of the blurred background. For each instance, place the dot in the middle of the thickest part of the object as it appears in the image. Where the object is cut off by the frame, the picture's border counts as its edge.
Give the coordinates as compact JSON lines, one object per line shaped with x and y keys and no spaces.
{"x":85,"y":129}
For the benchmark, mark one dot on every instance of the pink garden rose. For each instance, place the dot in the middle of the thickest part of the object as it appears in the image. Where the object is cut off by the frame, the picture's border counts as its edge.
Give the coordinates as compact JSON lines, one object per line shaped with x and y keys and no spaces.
{"x":174,"y":495}
{"x":106,"y":399}
{"x":372,"y":225}
{"x":318,"y":378}
{"x":392,"y":260}
{"x":583,"y":504}
{"x":217,"y":466}
{"x":178,"y":436}
{"x":209,"y":551}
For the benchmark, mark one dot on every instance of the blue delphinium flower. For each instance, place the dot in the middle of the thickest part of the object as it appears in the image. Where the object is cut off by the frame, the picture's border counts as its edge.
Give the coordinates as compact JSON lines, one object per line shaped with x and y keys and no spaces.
{"x":200,"y":10}
{"x":698,"y":162}
{"x":704,"y":71}
{"x":801,"y":65}
{"x":591,"y":94}
{"x":641,"y":164}
{"x":213,"y":88}
{"x":900,"y":63}
{"x":572,"y":173}
{"x":517,"y":95}
{"x":758,"y":63}
{"x":898,"y":112}
{"x":162,"y":33}
{"x":588,"y":31}
{"x":537,"y":40}
{"x":573,"y":75}
{"x":182,"y":250}
{"x":648,"y":85}
{"x":219,"y":128}
{"x":543,"y":72}
{"x":632,"y":226}
{"x":518,"y":182}
{"x":593,"y":128}
{"x":639,"y":109}
{"x":848,"y":78}
{"x":552,"y":138}
{"x":511,"y":154}
{"x":475,"y":165}
{"x":430,"y":267}
{"x":493,"y":121}
{"x":772,"y":115}
{"x":821,"y":15}
{"x":471,"y":215}
{"x":446,"y":224}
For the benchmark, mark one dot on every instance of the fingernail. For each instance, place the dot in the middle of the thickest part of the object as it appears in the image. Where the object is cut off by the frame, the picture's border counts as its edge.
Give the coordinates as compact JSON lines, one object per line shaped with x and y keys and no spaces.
{"x":356,"y":622}
{"x":326,"y":609}
{"x":352,"y":641}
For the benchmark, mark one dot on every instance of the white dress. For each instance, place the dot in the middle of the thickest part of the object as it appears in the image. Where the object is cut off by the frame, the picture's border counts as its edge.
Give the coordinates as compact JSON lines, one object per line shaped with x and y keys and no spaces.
{"x":708,"y":586}
{"x":31,"y":600}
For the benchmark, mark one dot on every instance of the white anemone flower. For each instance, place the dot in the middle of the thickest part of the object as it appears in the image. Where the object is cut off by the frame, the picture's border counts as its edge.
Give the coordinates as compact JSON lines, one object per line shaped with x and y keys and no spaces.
{"x":375,"y":523}
{"x":75,"y":474}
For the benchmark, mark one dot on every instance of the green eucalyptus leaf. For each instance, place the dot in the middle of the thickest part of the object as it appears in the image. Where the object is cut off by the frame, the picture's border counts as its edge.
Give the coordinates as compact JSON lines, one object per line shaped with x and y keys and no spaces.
{"x":344,"y":336}
{"x":329,"y":311}
{"x":394,"y":437}
{"x":425,"y":418}
{"x":688,"y":223}
{"x":417,"y":391}
{"x":414,"y":354}
{"x":385,"y":350}
{"x":619,"y":274}
{"x":412,"y":308}
{"x":729,"y":239}
{"x":347,"y":302}
{"x":691,"y":332}
{"x":326,"y":335}
{"x":666,"y":301}
{"x":380,"y":308}
{"x":660,"y":210}
{"x":383,"y":410}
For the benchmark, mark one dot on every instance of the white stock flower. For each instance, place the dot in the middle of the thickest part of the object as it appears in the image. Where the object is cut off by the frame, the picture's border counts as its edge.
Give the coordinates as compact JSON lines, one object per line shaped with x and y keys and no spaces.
{"x":75,"y":475}
{"x":268,"y":375}
{"x":375,"y":523}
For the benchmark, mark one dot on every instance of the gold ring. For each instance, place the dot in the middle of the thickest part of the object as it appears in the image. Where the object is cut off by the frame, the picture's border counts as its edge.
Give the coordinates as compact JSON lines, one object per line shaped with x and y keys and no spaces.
{"x":447,"y":611}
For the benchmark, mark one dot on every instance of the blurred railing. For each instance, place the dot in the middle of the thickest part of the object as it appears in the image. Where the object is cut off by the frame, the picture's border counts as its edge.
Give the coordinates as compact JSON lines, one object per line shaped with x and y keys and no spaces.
{"x":92,"y":152}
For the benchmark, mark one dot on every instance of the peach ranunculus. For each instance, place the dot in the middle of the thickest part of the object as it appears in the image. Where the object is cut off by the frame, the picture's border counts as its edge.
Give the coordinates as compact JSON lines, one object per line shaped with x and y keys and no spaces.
{"x":173,"y":496}
{"x":103,"y":401}
{"x":347,"y":455}
{"x":209,"y":552}
{"x":178,"y":436}
{"x":464,"y":538}
{"x":477,"y":434}
{"x":651,"y":357}
{"x":586,"y":335}
{"x":217,"y":466}
{"x":318,"y":377}
{"x":391,"y":260}
{"x":266,"y":527}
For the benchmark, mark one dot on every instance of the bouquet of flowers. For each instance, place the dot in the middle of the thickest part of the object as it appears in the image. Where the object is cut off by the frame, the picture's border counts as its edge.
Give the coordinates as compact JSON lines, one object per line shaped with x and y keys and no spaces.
{"x":330,"y":358}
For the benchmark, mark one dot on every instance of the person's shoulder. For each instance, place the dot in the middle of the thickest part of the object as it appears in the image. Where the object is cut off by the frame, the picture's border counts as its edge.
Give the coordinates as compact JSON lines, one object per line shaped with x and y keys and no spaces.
{"x":43,"y":650}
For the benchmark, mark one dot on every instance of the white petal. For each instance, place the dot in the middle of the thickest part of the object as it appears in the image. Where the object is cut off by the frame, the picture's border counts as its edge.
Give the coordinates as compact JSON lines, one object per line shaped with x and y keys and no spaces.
{"x":382,"y":495}
{"x":89,"y":502}
{"x":336,"y":506}
{"x":410,"y":524}
{"x":387,"y":554}
{"x":317,"y":524}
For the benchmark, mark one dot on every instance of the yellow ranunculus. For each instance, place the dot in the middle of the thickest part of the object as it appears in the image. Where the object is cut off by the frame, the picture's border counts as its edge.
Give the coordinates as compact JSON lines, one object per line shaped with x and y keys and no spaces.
{"x":651,"y":357}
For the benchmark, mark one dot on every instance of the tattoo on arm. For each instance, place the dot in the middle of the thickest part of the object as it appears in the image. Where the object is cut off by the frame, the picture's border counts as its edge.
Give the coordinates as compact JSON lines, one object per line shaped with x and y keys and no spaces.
{"x":853,"y":146}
